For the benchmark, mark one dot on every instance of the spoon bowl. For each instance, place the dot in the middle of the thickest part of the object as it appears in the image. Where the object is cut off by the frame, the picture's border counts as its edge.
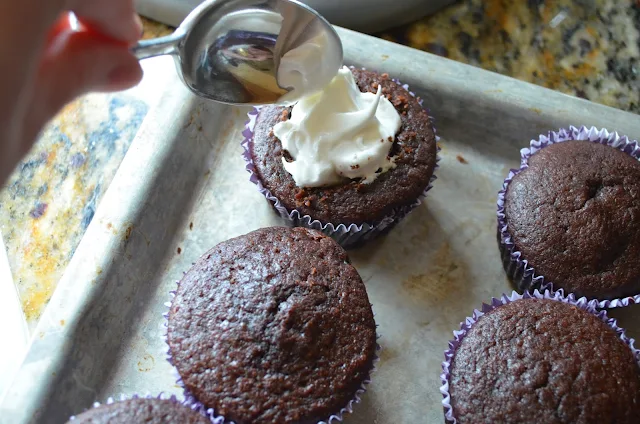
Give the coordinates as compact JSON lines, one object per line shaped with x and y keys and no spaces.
{"x":250,"y":52}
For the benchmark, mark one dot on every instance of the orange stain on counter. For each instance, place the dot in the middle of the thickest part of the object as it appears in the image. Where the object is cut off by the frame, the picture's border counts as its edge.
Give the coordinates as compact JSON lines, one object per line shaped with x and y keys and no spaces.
{"x":43,"y":267}
{"x":38,"y":260}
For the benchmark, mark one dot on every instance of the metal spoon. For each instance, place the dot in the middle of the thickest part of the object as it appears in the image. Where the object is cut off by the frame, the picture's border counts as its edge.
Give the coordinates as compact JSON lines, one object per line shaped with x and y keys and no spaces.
{"x":231,"y":51}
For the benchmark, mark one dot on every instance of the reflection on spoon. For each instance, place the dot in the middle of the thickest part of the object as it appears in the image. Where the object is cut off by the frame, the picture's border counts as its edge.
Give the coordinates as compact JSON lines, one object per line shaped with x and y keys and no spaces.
{"x":231,"y":51}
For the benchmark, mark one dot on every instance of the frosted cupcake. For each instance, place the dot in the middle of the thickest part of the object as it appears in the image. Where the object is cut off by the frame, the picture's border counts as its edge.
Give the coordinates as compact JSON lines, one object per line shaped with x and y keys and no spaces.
{"x":350,"y":160}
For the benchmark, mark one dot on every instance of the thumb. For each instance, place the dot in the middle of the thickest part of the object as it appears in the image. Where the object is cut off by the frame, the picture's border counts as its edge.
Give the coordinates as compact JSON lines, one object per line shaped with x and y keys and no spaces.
{"x":76,"y":62}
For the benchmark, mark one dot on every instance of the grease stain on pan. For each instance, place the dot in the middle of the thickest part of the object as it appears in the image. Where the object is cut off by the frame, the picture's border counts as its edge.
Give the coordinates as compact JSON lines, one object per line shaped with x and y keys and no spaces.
{"x":387,"y":353}
{"x":127,"y":233}
{"x":146,"y":363}
{"x":189,"y":122}
{"x":440,"y":281}
{"x":112,"y":228}
{"x":462,"y":160}
{"x":421,"y":228}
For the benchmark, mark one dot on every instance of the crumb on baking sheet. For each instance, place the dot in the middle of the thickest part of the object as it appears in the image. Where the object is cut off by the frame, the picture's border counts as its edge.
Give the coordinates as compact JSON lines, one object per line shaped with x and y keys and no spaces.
{"x":461,"y":159}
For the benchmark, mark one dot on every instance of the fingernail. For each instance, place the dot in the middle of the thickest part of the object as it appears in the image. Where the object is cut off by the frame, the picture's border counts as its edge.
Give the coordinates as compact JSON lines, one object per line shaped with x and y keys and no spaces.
{"x":139,"y":27}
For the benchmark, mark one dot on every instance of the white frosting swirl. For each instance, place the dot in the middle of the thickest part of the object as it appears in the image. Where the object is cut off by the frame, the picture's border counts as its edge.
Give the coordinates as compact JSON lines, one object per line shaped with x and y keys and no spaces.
{"x":303,"y":71}
{"x":339,"y":133}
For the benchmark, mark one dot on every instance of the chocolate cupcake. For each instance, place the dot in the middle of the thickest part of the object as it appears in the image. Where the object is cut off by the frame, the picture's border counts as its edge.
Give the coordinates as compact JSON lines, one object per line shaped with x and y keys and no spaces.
{"x":273,"y":326}
{"x":541,"y":359}
{"x":350,"y":161}
{"x":571,"y":216}
{"x":141,"y":411}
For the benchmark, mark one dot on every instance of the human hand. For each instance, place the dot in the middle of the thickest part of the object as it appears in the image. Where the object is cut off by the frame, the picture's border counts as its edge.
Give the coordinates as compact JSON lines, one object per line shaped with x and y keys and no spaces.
{"x":48,"y":58}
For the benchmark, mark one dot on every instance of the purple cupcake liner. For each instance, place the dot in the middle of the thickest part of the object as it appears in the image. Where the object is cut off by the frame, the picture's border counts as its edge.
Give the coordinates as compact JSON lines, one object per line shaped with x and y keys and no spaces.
{"x":122,"y":397}
{"x":348,"y":236}
{"x":458,"y":336}
{"x":189,"y":399}
{"x":523,"y":275}
{"x":193,"y":403}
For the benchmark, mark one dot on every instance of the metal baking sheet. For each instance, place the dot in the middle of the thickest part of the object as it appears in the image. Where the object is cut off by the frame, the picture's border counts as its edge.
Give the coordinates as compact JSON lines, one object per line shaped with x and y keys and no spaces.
{"x":182,"y":188}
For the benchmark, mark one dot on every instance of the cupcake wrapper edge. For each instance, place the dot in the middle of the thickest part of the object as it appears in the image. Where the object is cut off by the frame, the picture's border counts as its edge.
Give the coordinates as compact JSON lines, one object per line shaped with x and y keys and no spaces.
{"x":123,"y":397}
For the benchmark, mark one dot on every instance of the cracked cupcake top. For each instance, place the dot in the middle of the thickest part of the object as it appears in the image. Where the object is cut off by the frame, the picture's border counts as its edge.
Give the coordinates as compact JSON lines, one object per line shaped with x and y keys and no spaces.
{"x":543,"y":361}
{"x":273,"y":326}
{"x":574,"y":213}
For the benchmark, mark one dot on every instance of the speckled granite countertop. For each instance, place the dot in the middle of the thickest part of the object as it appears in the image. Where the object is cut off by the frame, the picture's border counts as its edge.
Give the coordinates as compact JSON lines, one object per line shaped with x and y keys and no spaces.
{"x":588,"y":48}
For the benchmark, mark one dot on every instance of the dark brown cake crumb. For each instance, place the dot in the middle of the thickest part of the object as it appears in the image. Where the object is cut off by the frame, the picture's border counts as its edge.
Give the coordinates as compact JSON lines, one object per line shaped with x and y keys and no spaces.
{"x":574,"y":213}
{"x":544,"y":362}
{"x":141,"y":411}
{"x":273,"y":327}
{"x":352,"y":202}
